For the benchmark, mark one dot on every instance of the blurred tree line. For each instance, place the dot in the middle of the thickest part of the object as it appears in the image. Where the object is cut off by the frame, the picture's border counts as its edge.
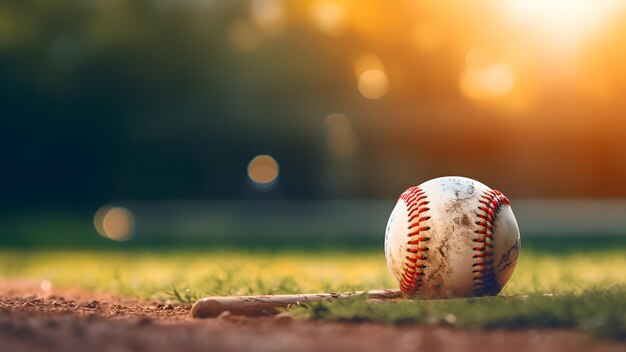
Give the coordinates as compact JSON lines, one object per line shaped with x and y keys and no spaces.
{"x":150,"y":99}
{"x":157,"y":99}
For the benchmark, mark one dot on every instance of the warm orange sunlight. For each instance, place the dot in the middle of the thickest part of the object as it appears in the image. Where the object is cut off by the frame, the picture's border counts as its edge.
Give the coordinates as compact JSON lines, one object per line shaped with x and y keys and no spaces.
{"x":512,"y":56}
{"x":566,"y":23}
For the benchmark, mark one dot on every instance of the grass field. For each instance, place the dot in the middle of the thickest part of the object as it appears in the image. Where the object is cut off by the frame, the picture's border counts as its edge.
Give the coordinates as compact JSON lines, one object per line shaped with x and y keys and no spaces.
{"x":570,"y":286}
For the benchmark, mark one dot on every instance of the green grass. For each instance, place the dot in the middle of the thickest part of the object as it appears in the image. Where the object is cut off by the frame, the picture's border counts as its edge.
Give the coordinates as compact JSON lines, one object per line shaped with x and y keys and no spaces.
{"x":600,"y":310}
{"x":587,"y":284}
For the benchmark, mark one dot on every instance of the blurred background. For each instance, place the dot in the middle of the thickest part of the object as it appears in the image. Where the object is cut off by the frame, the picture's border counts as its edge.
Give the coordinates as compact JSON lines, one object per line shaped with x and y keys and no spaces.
{"x":270,"y":121}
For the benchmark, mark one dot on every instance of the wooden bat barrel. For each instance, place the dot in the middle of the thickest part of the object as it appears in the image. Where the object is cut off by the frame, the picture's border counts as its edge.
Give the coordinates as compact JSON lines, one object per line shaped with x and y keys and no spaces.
{"x":270,"y":304}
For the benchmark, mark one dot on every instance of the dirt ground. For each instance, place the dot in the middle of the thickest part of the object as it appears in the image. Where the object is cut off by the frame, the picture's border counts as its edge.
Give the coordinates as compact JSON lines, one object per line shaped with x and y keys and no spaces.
{"x":36,"y":318}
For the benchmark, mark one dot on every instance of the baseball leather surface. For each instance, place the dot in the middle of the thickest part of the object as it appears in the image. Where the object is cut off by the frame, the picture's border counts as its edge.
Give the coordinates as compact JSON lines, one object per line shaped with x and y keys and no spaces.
{"x":452,"y":237}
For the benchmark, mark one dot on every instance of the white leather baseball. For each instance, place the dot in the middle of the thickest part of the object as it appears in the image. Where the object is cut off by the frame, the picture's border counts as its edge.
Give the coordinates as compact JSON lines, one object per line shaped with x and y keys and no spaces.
{"x":452,"y":237}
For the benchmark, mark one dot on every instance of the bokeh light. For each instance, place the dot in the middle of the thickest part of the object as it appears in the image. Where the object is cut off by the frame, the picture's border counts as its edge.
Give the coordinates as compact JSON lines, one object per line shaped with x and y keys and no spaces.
{"x":340,"y":137}
{"x":492,"y":81}
{"x":115,"y":223}
{"x":329,"y":17}
{"x":45,"y":285}
{"x":478,"y":57}
{"x":269,"y":15}
{"x":486,"y":77}
{"x":263,"y":172}
{"x":373,"y":84}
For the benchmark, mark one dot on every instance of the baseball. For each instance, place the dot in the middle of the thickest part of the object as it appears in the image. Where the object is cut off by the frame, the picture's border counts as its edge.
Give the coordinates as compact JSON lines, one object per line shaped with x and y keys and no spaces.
{"x":452,"y":237}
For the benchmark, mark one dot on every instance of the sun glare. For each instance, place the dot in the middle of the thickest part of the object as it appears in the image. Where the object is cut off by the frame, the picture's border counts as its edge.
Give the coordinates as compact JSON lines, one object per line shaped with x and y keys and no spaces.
{"x":568,"y":21}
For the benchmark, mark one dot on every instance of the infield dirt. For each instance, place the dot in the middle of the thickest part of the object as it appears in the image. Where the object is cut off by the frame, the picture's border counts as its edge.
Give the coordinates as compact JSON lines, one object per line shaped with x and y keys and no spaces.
{"x":75,"y":320}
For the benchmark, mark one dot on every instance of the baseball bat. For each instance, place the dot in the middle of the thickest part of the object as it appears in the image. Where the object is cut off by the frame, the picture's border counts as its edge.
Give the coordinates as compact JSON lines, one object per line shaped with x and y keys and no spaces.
{"x":269,"y":304}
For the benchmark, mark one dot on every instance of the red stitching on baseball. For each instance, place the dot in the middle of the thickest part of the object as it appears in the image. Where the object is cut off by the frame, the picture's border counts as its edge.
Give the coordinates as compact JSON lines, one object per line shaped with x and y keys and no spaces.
{"x":485,"y":282}
{"x":415,"y":200}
